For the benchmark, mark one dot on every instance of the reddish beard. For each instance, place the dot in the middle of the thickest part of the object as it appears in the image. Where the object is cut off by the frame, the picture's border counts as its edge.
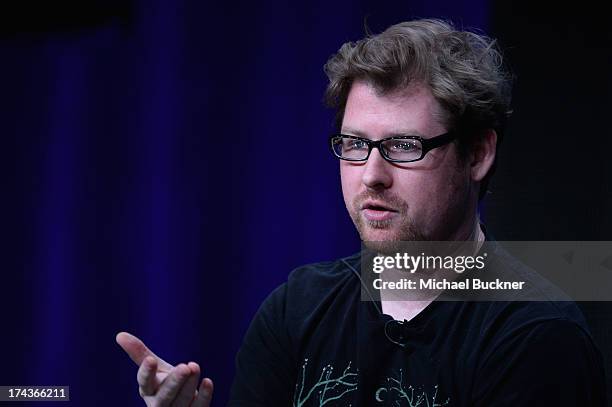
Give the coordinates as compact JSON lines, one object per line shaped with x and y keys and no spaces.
{"x":402,"y":225}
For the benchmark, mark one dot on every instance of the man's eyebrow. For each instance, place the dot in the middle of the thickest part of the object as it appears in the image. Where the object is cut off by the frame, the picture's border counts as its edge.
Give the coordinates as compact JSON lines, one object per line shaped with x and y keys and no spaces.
{"x":399,"y":133}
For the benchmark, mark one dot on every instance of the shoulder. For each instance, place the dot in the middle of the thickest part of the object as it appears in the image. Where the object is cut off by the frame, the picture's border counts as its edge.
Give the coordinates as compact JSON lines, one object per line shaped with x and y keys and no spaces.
{"x":311,"y":291}
{"x":516,"y":316}
{"x":324,"y":275}
{"x":540,"y":301}
{"x":310,"y":284}
{"x":542,"y":349}
{"x":552,"y":362}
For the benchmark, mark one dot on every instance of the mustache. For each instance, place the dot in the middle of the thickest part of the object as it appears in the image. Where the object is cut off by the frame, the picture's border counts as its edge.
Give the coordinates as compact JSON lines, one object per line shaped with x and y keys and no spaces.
{"x":390,"y":200}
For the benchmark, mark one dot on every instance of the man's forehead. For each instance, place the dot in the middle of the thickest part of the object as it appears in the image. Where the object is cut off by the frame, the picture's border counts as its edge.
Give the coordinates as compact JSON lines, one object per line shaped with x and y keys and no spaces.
{"x":409,"y":111}
{"x":397,"y":94}
{"x":392,"y":133}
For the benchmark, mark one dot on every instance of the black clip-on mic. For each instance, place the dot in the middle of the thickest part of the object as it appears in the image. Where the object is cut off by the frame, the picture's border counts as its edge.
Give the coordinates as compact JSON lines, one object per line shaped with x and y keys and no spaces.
{"x":396,"y":332}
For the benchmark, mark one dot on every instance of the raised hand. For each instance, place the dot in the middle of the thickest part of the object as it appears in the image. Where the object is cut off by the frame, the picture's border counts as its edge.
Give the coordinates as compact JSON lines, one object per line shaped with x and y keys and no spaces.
{"x":162,"y":385}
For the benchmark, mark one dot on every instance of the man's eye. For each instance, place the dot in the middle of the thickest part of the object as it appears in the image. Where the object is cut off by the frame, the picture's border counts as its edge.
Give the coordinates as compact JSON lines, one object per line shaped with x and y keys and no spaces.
{"x":356,"y":145}
{"x":403,"y":146}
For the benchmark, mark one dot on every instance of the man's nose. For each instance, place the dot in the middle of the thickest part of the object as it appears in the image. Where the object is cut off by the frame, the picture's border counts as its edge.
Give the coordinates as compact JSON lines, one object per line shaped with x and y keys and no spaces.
{"x":377,"y":174}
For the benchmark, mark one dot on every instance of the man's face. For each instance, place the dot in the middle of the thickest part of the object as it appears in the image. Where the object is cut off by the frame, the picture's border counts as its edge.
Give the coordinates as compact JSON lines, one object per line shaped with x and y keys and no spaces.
{"x":423,"y":200}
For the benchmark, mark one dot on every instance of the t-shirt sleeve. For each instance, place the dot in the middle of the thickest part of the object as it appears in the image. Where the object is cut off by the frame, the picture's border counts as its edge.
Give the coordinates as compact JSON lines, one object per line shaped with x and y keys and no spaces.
{"x":265,"y":373}
{"x":553,"y":363}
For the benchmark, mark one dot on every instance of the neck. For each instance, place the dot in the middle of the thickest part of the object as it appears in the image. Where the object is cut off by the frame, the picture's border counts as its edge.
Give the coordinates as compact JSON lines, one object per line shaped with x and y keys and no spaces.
{"x":407,"y":309}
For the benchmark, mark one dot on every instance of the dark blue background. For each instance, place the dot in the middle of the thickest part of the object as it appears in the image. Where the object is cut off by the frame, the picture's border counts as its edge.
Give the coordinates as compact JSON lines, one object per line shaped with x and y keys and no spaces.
{"x":151,"y":188}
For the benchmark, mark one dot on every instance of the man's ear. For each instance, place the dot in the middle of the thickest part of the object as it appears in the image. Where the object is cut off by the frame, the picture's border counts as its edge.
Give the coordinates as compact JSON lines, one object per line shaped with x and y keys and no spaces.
{"x":483,"y":155}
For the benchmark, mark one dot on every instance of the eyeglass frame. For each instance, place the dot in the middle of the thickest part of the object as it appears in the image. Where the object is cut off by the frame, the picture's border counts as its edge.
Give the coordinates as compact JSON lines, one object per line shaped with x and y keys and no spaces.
{"x":427,"y":144}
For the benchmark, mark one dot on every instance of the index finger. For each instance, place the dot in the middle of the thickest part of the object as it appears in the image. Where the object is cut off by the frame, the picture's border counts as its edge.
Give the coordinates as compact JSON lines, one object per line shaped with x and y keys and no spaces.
{"x":138,"y":351}
{"x":148,"y":382}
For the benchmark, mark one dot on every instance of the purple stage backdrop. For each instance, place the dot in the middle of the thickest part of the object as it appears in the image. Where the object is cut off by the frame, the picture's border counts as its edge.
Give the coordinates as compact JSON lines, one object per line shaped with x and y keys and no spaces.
{"x":149,"y":185}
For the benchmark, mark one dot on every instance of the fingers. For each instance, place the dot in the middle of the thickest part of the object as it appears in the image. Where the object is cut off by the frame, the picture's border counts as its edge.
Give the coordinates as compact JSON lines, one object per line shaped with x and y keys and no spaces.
{"x":160,"y":383}
{"x":204,"y":394}
{"x":138,"y":351}
{"x":147,"y":377}
{"x":188,"y":390}
{"x":133,"y":346}
{"x":170,"y":387}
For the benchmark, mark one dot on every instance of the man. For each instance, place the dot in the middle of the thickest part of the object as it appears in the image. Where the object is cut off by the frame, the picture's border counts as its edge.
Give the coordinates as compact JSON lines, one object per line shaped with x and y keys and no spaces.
{"x":421,"y":109}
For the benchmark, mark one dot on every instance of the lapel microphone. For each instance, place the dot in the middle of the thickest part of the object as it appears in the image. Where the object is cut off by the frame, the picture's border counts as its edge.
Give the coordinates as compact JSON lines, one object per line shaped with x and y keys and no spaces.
{"x":397,"y":332}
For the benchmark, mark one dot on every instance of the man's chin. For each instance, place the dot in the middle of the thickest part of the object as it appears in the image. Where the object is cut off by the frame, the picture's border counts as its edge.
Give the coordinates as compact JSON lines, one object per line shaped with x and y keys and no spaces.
{"x":390,"y":243}
{"x":380,"y":240}
{"x":389,"y":247}
{"x":379,"y":235}
{"x":382,"y":235}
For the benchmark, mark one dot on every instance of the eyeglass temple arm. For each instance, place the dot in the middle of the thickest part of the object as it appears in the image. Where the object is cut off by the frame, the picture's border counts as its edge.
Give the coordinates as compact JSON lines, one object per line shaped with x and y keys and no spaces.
{"x":432,"y":143}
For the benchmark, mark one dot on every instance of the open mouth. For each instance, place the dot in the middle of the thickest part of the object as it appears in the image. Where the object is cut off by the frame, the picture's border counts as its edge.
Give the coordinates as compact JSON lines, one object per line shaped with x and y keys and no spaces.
{"x":376,"y":211}
{"x":376,"y":206}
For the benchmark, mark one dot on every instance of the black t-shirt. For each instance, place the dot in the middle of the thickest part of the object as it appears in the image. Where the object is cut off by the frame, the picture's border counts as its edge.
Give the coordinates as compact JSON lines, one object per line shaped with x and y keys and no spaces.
{"x":314,"y":342}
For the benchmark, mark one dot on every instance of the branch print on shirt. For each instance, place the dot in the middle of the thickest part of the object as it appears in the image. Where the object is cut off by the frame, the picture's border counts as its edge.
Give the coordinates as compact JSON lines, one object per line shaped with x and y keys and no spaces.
{"x":327,"y":388}
{"x":330,"y":389}
{"x":397,"y":392}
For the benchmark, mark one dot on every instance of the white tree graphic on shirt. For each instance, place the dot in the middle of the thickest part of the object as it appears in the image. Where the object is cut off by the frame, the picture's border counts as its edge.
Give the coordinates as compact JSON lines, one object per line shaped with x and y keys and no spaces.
{"x":397,"y":391}
{"x":327,"y":388}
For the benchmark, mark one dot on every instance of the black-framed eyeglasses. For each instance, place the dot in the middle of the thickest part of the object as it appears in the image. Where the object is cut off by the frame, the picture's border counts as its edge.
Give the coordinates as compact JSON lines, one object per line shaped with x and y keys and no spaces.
{"x":398,"y":149}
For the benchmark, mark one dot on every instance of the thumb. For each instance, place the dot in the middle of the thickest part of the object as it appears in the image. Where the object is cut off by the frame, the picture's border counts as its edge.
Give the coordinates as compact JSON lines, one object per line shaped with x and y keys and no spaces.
{"x":138,"y":351}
